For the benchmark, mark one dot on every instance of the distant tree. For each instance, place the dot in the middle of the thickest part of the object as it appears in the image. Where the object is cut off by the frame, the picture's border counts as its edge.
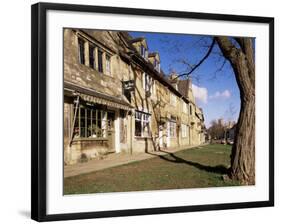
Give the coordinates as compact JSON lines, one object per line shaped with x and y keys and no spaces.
{"x":216,"y":130}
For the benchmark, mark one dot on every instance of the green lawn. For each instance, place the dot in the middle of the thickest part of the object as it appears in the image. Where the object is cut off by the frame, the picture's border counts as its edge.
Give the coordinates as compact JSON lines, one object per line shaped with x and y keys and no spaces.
{"x":191,"y":168}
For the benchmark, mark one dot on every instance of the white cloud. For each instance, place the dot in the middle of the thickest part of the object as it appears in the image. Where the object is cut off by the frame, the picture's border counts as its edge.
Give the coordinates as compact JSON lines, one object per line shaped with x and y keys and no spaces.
{"x":200,"y":93}
{"x":221,"y":95}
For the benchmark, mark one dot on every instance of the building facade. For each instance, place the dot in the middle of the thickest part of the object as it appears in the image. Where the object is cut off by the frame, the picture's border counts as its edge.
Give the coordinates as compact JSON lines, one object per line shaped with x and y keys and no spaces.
{"x":117,"y":98}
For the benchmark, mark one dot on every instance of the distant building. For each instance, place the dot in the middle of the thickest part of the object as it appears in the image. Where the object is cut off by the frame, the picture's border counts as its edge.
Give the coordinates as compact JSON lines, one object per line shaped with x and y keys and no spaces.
{"x":117,"y":98}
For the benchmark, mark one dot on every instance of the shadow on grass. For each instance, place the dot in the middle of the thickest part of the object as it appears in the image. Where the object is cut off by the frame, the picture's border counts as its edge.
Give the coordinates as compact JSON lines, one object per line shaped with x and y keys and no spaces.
{"x":220,"y":169}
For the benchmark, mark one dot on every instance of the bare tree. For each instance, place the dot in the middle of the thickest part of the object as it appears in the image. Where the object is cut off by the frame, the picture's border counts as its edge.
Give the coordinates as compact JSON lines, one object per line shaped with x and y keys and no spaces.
{"x":240,"y":54}
{"x":243,"y":152}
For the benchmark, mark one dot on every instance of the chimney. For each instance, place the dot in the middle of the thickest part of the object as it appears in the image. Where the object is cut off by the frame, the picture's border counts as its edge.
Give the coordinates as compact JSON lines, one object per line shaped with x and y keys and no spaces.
{"x":173,"y":78}
{"x":189,"y":82}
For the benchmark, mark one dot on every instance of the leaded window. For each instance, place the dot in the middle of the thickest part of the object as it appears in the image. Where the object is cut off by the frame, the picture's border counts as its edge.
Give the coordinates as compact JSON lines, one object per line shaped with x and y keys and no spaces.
{"x":92,"y":56}
{"x":100,"y":62}
{"x":81,"y":49}
{"x":90,"y":123}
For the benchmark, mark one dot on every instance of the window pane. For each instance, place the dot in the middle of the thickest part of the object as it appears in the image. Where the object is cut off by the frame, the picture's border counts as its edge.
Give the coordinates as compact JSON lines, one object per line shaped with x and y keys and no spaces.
{"x":82,"y":122}
{"x":100,"y":61}
{"x":76,"y":131}
{"x":104,"y":124}
{"x":99,"y":134}
{"x":107,"y":65}
{"x":81,"y":53}
{"x":92,"y":56}
{"x":88,"y":123}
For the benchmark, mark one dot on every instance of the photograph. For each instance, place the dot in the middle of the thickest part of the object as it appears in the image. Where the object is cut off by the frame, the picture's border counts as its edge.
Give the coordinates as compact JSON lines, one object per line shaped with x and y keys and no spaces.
{"x":147,"y":111}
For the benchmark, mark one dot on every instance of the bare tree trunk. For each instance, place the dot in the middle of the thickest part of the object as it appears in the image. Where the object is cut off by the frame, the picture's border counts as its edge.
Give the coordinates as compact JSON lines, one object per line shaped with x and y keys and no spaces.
{"x":243,"y":151}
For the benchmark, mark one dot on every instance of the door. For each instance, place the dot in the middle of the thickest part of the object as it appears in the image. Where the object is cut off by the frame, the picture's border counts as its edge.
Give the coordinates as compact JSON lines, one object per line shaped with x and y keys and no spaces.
{"x":111,"y":131}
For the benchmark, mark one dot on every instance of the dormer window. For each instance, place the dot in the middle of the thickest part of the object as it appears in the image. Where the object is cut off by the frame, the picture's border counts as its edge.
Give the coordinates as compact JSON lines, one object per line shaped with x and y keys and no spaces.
{"x":143,"y":52}
{"x":157,"y":66}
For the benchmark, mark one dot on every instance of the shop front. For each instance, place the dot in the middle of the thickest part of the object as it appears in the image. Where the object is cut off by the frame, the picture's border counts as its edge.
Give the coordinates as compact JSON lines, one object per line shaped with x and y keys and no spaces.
{"x":92,"y":124}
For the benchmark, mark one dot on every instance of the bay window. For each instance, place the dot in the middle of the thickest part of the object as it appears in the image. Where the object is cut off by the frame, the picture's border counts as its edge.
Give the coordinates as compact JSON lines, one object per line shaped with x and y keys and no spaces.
{"x":90,"y":123}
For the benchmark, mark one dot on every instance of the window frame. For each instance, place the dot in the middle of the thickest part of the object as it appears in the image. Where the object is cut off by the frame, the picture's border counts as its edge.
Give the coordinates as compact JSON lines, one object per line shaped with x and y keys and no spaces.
{"x":100,"y":61}
{"x":172,"y":128}
{"x":144,"y":119}
{"x":107,"y":64}
{"x":92,"y":49}
{"x":81,"y":48}
{"x":96,"y":116}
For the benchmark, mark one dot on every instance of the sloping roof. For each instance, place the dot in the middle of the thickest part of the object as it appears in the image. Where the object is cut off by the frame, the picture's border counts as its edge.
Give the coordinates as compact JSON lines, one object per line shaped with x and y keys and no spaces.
{"x":137,"y":39}
{"x":159,"y":76}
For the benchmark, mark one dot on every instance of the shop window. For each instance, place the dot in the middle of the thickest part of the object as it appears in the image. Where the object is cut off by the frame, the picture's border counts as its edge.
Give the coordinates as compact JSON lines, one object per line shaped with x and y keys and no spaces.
{"x":90,"y":123}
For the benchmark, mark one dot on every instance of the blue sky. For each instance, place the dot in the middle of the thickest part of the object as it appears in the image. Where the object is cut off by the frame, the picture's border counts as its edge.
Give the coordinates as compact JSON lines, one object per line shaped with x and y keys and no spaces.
{"x":214,"y":83}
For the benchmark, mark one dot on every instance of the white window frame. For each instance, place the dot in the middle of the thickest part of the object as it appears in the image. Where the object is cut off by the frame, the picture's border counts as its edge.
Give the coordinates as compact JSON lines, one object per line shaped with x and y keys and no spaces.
{"x":147,"y":83}
{"x":107,"y":64}
{"x":172,"y":125}
{"x":145,"y":119}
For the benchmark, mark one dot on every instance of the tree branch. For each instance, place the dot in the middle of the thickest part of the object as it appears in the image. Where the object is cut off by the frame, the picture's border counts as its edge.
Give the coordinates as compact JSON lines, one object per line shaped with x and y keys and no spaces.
{"x":200,"y":62}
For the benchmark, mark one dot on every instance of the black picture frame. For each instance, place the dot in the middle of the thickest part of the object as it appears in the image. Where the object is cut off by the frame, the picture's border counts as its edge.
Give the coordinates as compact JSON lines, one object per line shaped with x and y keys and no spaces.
{"x":39,"y":122}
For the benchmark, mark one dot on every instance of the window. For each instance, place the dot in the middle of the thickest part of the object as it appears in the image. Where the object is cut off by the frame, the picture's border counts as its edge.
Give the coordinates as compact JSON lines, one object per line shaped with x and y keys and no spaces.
{"x":81,"y":49}
{"x":184,"y":130}
{"x":172,"y":128}
{"x":157,"y":65}
{"x":147,"y":83}
{"x":142,"y":121}
{"x":92,"y":60}
{"x":100,"y":64}
{"x":90,"y":123}
{"x":190,"y":109}
{"x":143,"y":51}
{"x":173,"y":99}
{"x":107,"y":64}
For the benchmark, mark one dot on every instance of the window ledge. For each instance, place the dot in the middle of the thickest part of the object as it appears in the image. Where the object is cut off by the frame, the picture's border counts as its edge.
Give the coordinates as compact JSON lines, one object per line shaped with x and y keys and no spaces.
{"x":90,"y":139}
{"x":142,"y":138}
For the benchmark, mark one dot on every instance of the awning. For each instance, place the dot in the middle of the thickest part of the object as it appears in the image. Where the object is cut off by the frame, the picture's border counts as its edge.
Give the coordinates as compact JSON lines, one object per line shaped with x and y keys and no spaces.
{"x":92,"y":96}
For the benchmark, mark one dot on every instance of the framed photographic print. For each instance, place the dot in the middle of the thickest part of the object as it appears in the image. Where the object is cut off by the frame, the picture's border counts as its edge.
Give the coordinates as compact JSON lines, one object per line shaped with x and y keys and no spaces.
{"x":139,"y":111}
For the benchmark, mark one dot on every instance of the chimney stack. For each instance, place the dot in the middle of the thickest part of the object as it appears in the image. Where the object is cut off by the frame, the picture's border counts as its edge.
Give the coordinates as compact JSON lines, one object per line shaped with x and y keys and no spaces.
{"x":189,"y":82}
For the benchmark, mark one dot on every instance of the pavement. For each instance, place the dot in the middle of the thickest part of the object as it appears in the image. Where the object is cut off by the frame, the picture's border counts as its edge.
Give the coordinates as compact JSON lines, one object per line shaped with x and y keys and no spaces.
{"x":115,"y":159}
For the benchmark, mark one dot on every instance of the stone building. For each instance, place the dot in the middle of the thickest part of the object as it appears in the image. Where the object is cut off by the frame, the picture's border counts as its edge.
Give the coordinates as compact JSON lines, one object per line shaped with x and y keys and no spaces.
{"x":117,"y":98}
